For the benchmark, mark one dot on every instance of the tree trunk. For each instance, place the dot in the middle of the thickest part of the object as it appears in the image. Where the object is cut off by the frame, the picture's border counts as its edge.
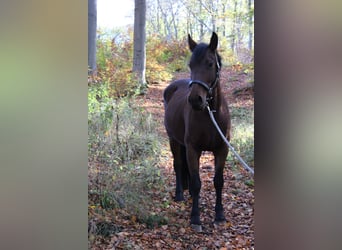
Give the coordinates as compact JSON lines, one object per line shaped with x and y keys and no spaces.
{"x":224,"y":19}
{"x":233,"y":34}
{"x":201,"y":33}
{"x":92,"y":25}
{"x":250,"y":26}
{"x":139,"y":53}
{"x":174,"y":22}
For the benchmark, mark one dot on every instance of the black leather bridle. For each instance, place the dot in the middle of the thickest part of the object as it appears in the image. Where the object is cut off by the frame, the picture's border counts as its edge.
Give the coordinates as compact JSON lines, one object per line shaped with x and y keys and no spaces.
{"x":209,"y":88}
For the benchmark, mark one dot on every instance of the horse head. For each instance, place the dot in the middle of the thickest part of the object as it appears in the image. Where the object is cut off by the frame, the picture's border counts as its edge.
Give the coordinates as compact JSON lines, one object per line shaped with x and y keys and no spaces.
{"x":205,"y":64}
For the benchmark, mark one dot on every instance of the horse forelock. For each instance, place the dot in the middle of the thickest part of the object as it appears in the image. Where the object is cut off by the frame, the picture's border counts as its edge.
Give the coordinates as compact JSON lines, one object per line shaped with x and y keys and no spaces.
{"x":200,"y":51}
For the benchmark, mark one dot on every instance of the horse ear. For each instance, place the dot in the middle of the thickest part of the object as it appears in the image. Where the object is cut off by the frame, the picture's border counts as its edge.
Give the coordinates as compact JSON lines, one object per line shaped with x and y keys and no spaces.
{"x":213,"y":42}
{"x":192,"y":43}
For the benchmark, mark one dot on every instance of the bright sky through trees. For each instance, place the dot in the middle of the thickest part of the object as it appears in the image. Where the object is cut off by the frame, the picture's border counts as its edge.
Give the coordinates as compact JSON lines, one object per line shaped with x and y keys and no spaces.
{"x":114,"y":13}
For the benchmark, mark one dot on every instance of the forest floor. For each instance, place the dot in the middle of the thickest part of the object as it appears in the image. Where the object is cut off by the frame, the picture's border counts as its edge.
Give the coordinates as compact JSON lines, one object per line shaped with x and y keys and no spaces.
{"x":238,"y":194}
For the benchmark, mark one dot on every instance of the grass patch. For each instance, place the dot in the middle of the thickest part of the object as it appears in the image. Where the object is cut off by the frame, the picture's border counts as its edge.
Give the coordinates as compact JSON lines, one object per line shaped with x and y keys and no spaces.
{"x":249,"y":183}
{"x":123,"y":152}
{"x":154,"y":220}
{"x":242,"y":134}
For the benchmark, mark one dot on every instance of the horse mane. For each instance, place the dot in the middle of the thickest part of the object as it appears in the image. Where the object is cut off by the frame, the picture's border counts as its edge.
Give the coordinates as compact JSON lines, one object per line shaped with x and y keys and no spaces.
{"x":199,"y":52}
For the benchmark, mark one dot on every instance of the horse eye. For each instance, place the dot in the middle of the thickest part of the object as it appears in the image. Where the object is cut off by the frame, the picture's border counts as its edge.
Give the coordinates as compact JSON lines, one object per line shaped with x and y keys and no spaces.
{"x":210,"y":65}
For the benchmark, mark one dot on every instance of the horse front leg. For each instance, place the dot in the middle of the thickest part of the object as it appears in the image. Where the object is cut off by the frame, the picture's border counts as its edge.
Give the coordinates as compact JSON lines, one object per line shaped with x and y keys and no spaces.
{"x":195,"y":186}
{"x":220,"y":159}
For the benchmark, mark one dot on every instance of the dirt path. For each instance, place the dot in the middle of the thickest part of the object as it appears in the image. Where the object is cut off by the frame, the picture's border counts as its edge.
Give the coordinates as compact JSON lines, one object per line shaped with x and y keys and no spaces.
{"x":238,"y":197}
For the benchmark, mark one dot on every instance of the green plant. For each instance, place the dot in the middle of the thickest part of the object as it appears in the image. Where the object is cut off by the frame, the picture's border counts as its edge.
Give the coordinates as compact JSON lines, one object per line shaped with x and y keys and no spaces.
{"x":154,"y":220}
{"x":123,"y":151}
{"x":249,"y":183}
{"x":242,"y":134}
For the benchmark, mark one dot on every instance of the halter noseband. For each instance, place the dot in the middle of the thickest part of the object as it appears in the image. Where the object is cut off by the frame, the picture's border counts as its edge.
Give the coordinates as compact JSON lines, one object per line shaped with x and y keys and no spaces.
{"x":208,"y":88}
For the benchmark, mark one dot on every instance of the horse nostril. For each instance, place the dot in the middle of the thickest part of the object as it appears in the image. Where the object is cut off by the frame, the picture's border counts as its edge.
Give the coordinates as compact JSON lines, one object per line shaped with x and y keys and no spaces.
{"x":199,"y":100}
{"x":195,"y":99}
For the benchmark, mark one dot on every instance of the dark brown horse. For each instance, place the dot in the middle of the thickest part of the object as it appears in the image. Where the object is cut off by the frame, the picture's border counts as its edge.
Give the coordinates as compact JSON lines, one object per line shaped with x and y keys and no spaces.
{"x":190,"y":129}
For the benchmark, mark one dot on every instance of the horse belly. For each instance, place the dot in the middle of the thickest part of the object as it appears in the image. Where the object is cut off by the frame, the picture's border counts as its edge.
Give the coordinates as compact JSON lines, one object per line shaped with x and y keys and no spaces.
{"x":174,"y":124}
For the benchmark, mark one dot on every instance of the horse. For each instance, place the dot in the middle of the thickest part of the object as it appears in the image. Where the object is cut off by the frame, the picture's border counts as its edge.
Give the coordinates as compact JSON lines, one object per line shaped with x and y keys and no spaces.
{"x":190,"y":129}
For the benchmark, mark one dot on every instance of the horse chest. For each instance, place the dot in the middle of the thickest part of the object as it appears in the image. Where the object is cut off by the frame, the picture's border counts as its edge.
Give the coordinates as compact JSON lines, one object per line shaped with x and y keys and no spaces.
{"x":201,"y":133}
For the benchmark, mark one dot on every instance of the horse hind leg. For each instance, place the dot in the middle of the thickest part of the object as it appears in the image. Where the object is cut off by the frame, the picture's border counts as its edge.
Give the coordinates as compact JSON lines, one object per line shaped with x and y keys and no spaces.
{"x":180,"y":168}
{"x":185,"y":170}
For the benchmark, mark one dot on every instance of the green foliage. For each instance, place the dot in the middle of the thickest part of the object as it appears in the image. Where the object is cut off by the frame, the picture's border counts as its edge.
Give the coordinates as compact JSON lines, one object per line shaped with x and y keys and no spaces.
{"x":242,"y":134}
{"x":118,"y":129}
{"x":107,"y":200}
{"x":233,"y":20}
{"x":123,"y":151}
{"x":250,"y":182}
{"x":114,"y":62}
{"x":226,"y":53}
{"x":100,"y":106}
{"x":164,"y":58}
{"x":154,"y":220}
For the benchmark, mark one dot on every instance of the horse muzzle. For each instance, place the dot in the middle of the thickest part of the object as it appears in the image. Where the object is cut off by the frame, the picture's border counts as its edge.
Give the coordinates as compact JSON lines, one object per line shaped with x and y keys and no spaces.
{"x":197,"y":102}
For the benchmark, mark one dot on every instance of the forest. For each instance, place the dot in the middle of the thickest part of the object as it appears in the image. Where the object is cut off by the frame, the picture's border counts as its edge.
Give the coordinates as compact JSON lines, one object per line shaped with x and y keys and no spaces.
{"x":131,"y":180}
{"x":232,"y":20}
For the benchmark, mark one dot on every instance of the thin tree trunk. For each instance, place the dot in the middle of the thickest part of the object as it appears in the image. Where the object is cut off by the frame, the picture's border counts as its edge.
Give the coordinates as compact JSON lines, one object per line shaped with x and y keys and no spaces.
{"x":167,"y":24}
{"x":174,"y":22}
{"x":250,"y":26}
{"x":92,"y":25}
{"x":139,"y":39}
{"x":233,"y":35}
{"x":201,"y":33}
{"x":224,"y":19}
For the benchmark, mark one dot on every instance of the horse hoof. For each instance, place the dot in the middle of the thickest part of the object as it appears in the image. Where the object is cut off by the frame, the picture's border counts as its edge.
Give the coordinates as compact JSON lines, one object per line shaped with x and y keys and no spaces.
{"x":219,"y":217}
{"x":197,"y":228}
{"x":220,"y":220}
{"x":177,"y":199}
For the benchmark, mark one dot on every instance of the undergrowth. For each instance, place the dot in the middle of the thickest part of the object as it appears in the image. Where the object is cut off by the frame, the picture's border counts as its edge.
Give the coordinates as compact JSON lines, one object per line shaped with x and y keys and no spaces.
{"x":123,"y":152}
{"x":242,"y":119}
{"x":114,"y":62}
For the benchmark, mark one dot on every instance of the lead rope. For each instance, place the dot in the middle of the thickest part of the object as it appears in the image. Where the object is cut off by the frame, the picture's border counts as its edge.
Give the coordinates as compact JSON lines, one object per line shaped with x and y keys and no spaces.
{"x":227,"y":142}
